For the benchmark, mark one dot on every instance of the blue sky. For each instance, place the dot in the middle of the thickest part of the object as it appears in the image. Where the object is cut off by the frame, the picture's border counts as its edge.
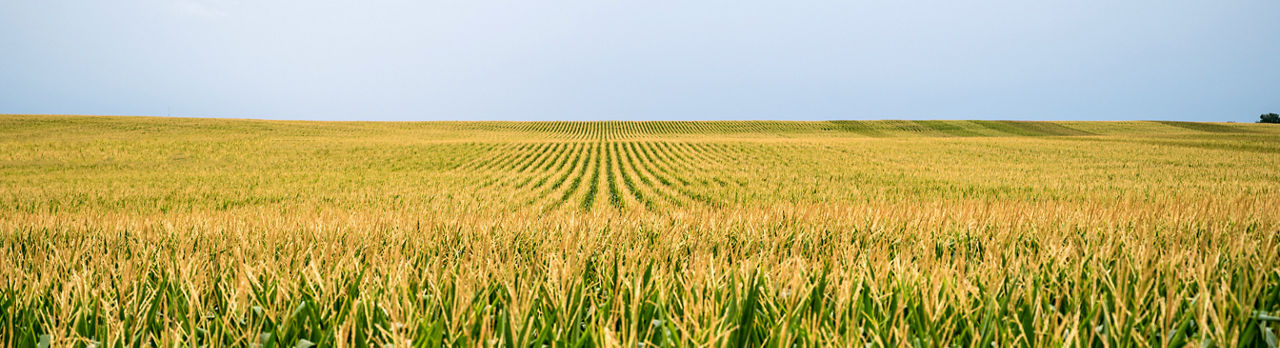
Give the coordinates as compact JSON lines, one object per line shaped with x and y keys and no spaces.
{"x":640,"y":60}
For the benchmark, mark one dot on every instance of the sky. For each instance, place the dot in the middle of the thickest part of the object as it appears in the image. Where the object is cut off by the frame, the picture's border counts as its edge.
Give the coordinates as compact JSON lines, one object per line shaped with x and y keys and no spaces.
{"x":643,"y":60}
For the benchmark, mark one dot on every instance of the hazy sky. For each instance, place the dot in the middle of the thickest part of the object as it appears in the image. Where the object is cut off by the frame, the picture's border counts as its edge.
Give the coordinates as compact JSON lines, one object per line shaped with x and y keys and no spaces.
{"x":600,"y":59}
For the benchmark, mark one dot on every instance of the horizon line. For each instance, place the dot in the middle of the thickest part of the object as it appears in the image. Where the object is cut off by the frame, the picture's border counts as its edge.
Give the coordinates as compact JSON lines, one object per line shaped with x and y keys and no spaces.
{"x":597,"y":120}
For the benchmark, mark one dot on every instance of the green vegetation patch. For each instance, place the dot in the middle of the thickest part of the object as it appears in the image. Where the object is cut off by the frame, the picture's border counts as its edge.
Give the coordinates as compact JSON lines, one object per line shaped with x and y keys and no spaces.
{"x":1029,"y":128}
{"x":858,"y":127}
{"x":1205,"y":127}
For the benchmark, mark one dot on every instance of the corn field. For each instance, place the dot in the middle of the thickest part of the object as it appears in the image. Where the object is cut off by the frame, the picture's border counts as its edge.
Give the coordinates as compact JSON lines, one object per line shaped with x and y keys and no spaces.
{"x":130,"y":231}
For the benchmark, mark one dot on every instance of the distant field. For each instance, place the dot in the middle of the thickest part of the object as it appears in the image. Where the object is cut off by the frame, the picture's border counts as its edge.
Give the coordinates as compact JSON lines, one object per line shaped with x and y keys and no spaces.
{"x":125,"y":231}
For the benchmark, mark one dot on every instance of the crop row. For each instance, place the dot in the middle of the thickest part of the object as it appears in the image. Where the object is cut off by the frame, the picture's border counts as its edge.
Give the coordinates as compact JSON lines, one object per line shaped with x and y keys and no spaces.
{"x":617,"y":174}
{"x":617,"y":130}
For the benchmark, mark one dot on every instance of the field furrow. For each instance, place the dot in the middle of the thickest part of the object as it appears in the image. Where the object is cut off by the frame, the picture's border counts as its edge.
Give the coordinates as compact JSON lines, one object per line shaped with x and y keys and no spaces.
{"x":653,"y":169}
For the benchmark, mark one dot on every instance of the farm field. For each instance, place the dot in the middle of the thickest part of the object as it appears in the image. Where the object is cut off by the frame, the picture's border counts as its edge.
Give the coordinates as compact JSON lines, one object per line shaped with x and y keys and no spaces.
{"x":140,"y":231}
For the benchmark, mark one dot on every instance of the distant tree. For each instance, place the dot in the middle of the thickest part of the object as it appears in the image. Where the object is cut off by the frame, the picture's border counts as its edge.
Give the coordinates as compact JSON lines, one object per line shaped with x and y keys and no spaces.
{"x":1269,"y":118}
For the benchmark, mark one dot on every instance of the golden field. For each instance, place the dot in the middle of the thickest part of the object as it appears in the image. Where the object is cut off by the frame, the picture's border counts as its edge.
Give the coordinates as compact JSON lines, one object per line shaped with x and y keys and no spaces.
{"x":133,"y":231}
